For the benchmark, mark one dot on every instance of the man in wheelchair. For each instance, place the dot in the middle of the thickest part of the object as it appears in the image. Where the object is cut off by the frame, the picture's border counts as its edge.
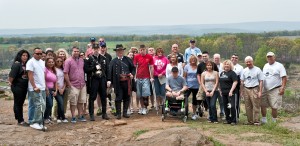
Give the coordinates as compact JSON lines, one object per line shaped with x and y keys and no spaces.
{"x":175,"y":86}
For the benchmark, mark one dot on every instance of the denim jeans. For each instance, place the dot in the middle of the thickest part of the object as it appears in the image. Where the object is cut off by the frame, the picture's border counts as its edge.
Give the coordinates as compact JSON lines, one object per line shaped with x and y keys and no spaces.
{"x":38,"y":101}
{"x":220,"y":99}
{"x":60,"y":106}
{"x":160,"y":89}
{"x":211,"y":101}
{"x":49,"y":104}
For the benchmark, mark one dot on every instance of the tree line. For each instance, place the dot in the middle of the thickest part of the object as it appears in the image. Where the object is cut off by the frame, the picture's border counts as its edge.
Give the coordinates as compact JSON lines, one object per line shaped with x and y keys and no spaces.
{"x":287,"y":49}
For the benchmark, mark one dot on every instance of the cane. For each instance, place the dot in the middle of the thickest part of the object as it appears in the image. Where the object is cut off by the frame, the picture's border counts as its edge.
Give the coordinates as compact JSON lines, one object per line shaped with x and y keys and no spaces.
{"x":43,"y":120}
{"x":153,"y":88}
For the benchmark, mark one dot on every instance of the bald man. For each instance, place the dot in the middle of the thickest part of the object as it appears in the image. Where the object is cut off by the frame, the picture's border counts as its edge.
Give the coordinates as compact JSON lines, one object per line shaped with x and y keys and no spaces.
{"x":175,"y":50}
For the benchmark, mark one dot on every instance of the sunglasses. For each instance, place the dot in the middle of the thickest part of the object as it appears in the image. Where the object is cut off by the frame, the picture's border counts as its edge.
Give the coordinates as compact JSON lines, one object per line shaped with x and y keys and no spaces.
{"x":38,"y":53}
{"x":59,"y":61}
{"x":234,"y":57}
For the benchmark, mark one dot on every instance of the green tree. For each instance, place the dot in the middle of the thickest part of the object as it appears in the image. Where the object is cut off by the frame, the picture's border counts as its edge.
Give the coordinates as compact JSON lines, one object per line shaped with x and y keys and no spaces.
{"x":260,"y":57}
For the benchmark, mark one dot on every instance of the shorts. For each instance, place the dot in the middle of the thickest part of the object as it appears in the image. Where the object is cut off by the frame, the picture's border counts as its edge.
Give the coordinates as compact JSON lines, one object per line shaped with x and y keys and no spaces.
{"x":200,"y":95}
{"x":108,"y":90}
{"x":143,"y":87}
{"x":77,"y":95}
{"x":272,"y":99}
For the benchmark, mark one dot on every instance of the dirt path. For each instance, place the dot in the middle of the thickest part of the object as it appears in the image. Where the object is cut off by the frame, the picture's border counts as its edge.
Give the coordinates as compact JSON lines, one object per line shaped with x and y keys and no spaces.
{"x":139,"y":130}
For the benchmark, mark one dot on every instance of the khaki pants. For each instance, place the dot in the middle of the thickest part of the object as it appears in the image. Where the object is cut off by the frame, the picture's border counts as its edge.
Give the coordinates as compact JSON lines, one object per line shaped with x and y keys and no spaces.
{"x":252,"y":104}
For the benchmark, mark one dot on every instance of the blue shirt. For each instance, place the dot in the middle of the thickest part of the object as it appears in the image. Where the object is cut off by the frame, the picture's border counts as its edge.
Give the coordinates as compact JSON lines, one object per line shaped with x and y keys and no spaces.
{"x":188,"y":52}
{"x":191,"y":77}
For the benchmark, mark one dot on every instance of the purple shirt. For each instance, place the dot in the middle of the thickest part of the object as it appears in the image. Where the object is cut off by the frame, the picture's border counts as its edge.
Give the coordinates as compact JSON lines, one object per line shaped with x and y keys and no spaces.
{"x":74,"y":68}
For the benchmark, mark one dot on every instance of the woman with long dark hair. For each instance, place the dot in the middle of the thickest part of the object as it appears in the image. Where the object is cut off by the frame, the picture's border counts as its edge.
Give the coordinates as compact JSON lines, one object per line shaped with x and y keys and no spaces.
{"x":18,"y":80}
{"x":209,"y":83}
{"x":51,"y":87}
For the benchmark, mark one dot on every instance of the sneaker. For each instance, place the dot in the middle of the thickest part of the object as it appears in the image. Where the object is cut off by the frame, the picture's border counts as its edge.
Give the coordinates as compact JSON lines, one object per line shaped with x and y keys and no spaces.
{"x":43,"y":127}
{"x":58,"y":121}
{"x":144,"y":111}
{"x":223,"y":117}
{"x":82,"y":119}
{"x":140,"y":111}
{"x":128,"y":112}
{"x":65,"y":121}
{"x":23,"y":124}
{"x":92,"y":118}
{"x":274,"y":120}
{"x":99,"y":112}
{"x":36,"y":126}
{"x":264,"y":120}
{"x":47,"y":121}
{"x":194,"y":117}
{"x":73,"y":120}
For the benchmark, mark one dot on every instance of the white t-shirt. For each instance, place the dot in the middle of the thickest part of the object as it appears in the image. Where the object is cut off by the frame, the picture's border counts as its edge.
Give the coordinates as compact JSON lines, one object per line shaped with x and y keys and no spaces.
{"x":220,"y":67}
{"x":273,"y":74}
{"x":251,"y":77}
{"x":238,"y":69}
{"x":169,"y":70}
{"x":60,"y":77}
{"x":38,"y":69}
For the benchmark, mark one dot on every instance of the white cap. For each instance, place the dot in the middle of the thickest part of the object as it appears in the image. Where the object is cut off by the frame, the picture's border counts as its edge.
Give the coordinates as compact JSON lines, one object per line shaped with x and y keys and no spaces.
{"x":270,"y":54}
{"x":199,"y":54}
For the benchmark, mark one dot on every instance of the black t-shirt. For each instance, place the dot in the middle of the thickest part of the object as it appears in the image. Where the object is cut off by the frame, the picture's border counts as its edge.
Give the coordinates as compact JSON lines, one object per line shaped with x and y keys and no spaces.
{"x":202,"y":67}
{"x":226,"y":80}
{"x":19,"y":74}
{"x":179,"y":57}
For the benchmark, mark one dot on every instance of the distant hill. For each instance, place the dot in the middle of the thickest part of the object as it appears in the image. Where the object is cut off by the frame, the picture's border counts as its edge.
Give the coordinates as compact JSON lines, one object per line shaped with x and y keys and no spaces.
{"x":200,"y":29}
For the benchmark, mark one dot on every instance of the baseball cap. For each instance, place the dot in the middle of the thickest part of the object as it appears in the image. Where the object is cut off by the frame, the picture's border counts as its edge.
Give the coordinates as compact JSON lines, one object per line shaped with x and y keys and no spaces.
{"x":270,"y":54}
{"x":192,"y":41}
{"x":102,"y":44}
{"x":175,"y":69}
{"x":92,"y":39}
{"x":199,"y":54}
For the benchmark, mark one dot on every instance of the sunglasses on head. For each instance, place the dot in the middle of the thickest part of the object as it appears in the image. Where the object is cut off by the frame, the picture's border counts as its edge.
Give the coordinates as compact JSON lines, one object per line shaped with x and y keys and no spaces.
{"x":38,"y":53}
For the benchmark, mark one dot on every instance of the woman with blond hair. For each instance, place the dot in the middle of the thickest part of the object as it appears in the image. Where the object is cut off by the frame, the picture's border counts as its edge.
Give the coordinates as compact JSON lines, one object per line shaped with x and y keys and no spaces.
{"x":228,"y":81}
{"x":62,"y":53}
{"x":190,"y":75}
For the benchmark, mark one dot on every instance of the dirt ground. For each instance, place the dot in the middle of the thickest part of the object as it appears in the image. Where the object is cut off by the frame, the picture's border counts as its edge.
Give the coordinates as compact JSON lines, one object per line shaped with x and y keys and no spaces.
{"x":137,"y":130}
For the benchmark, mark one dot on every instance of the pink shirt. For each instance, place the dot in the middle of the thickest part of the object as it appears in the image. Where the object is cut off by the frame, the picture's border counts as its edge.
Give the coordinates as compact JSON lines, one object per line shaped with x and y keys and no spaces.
{"x":50,"y":78}
{"x":74,"y":68}
{"x":160,"y":65}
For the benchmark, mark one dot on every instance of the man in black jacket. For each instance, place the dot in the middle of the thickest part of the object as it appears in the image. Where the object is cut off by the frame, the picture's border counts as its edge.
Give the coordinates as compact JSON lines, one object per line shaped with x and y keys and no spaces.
{"x":121,"y":69}
{"x":97,"y":65}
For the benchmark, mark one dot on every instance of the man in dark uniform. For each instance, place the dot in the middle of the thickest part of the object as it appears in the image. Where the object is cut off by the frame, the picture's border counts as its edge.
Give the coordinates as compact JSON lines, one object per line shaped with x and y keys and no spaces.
{"x":97,"y":66}
{"x":121,"y":69}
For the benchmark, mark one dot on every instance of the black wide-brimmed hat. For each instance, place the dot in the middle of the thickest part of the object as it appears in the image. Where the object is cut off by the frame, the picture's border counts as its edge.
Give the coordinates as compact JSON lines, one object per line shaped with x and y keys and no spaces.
{"x":119,"y":47}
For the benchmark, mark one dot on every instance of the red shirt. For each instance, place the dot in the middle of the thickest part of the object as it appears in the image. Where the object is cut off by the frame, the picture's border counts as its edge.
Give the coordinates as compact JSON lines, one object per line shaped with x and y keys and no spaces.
{"x":143,"y":63}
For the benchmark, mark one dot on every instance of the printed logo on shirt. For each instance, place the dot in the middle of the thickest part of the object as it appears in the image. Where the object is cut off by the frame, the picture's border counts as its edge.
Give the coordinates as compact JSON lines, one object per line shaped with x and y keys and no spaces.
{"x":223,"y":75}
{"x":159,"y":64}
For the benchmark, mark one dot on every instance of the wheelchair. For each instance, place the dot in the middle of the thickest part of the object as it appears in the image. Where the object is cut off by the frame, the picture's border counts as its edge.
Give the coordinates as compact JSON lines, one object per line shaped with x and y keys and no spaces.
{"x":175,"y":107}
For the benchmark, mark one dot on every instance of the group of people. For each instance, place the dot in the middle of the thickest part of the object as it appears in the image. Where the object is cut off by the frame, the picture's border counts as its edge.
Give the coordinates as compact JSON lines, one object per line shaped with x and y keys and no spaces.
{"x":93,"y":75}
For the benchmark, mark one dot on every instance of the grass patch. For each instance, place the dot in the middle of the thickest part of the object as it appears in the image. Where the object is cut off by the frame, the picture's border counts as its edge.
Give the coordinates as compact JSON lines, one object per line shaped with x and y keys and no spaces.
{"x":139,"y":132}
{"x":215,"y":142}
{"x":270,"y":132}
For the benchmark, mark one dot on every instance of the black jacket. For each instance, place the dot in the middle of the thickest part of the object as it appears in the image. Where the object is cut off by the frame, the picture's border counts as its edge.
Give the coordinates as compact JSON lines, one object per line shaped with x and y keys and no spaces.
{"x":92,"y":61}
{"x":115,"y":71}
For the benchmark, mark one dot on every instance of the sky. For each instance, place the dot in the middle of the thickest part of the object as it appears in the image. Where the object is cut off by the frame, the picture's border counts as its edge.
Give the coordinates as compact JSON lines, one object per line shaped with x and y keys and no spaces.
{"x":20,"y":14}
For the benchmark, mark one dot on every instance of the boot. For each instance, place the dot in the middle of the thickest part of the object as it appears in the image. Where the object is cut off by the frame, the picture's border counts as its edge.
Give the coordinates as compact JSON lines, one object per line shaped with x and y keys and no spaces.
{"x":125,"y":108}
{"x":118,"y":108}
{"x":105,"y":117}
{"x":92,"y":118}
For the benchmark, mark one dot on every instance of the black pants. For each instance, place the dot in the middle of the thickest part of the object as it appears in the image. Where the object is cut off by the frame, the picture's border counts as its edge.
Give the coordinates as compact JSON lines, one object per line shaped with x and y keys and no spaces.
{"x":231,"y":114}
{"x":19,"y":98}
{"x":98,"y":85}
{"x":122,"y":94}
{"x":194,"y":99}
{"x":238,"y":103}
